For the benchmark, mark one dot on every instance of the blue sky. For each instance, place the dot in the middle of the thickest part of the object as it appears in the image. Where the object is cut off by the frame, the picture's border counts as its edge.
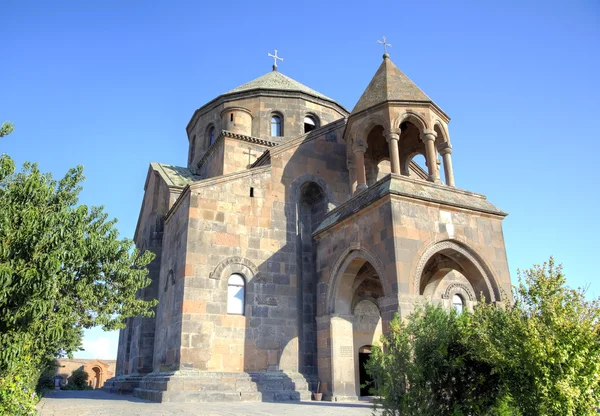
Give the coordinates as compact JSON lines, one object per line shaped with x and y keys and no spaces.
{"x":112,"y":84}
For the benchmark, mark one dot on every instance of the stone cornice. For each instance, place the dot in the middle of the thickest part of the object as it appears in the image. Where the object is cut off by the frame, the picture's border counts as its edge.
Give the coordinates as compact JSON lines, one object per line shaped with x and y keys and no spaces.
{"x":420,"y":103}
{"x":402,"y":186}
{"x":237,"y":136}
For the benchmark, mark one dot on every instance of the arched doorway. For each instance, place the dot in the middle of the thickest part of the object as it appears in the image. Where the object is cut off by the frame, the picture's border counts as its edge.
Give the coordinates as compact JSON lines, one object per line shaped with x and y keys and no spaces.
{"x":355,"y":324}
{"x":96,"y":377}
{"x":365,"y":379}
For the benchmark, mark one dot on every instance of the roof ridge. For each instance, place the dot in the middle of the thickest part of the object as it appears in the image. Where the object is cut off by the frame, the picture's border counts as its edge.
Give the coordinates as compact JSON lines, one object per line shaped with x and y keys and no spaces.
{"x":275,"y":80}
{"x":389,"y":84}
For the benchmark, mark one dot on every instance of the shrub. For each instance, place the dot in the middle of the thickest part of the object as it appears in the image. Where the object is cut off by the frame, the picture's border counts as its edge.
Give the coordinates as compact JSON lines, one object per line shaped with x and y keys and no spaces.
{"x":78,"y":379}
{"x":426,"y":367}
{"x":16,"y":398}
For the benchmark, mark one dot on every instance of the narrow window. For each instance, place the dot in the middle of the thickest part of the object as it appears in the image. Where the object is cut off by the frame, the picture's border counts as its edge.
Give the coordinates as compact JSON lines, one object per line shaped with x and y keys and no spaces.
{"x":251,"y":192}
{"x":275,"y":126}
{"x":231,"y":117}
{"x":457,"y":303}
{"x":211,"y":135}
{"x":235,"y":294}
{"x":310,"y":124}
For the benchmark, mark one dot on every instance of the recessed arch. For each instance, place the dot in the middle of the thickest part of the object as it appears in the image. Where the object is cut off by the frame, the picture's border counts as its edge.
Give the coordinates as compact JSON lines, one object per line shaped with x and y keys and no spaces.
{"x":311,"y":122}
{"x":412,"y":117}
{"x":475,"y":269}
{"x":341,"y":286}
{"x":210,"y":134}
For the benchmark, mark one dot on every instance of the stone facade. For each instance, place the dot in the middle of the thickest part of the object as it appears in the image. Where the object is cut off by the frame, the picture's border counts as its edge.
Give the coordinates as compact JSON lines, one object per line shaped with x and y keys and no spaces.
{"x":330,"y":225}
{"x":98,"y":370}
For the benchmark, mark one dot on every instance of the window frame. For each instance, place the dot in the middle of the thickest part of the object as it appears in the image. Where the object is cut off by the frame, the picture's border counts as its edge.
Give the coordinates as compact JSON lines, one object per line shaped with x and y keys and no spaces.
{"x":454,"y":304}
{"x":243,"y":286}
{"x":281,"y":118}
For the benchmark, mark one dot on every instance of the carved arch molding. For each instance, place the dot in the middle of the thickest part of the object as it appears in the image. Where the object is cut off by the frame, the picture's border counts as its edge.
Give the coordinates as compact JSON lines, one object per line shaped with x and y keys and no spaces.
{"x":453,"y":246}
{"x":217,"y":273}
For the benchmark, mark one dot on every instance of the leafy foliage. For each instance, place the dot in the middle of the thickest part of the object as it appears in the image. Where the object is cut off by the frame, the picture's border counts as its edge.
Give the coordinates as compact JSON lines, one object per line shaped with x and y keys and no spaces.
{"x":16,"y":397}
{"x":536,"y":355}
{"x":6,"y":129}
{"x":545,"y":345}
{"x":426,"y":368}
{"x":62,"y":269}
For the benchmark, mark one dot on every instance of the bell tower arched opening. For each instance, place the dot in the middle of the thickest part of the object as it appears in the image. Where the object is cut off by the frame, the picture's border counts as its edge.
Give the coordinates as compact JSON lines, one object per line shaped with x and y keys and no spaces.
{"x":377,"y":152}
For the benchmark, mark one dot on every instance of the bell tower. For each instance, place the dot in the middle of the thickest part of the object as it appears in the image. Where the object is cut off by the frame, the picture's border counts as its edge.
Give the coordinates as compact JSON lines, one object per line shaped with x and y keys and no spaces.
{"x":394,"y":121}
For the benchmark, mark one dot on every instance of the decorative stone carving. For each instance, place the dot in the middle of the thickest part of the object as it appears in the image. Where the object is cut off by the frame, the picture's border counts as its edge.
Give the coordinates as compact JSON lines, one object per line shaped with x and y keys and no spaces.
{"x":218,"y":272}
{"x":459,"y":288}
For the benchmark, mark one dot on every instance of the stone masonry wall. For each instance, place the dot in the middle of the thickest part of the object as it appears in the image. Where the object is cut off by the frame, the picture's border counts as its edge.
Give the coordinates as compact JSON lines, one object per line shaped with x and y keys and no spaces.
{"x":170,"y":290}
{"x":293,"y":109}
{"x":256,"y":236}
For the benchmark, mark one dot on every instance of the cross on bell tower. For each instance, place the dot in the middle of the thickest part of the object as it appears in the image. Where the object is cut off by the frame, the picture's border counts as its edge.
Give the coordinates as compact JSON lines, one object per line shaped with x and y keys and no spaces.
{"x":385,"y":44}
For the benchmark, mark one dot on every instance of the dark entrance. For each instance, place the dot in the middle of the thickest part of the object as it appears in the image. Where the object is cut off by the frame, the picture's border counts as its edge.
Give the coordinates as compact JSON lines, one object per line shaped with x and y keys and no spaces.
{"x":366,"y":382}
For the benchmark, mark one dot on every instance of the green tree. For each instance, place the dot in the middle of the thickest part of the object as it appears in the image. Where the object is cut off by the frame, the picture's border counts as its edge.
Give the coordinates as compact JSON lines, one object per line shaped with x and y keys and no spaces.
{"x":79,"y":379}
{"x":426,"y":367}
{"x":6,"y":128}
{"x":62,"y":269}
{"x":545,"y":345}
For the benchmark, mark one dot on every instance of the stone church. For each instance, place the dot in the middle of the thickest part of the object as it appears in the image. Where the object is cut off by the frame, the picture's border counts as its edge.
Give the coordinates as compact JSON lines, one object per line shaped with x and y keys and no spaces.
{"x":295,"y":233}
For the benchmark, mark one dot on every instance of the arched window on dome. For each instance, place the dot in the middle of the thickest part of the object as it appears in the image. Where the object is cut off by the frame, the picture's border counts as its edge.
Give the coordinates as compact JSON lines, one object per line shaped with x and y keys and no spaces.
{"x":276,"y":125}
{"x":211,"y":135}
{"x":236,"y":293}
{"x":457,"y":303}
{"x":310,"y":123}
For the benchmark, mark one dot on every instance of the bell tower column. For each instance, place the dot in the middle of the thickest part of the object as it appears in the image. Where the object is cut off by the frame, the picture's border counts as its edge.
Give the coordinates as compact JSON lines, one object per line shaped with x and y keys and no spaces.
{"x":428,"y":137}
{"x":359,"y":148}
{"x":392,"y":138}
{"x":449,"y":173}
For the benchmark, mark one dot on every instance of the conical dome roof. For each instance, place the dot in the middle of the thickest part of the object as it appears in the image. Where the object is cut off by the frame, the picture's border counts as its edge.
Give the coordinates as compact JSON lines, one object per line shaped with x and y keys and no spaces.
{"x":275,"y":80}
{"x":389,"y":84}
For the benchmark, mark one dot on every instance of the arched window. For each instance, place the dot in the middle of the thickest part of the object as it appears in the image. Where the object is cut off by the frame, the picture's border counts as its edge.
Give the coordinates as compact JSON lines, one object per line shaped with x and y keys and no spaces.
{"x":236,"y":294}
{"x":276,"y":129}
{"x":457,"y":303}
{"x":211,"y":135}
{"x":310,"y":123}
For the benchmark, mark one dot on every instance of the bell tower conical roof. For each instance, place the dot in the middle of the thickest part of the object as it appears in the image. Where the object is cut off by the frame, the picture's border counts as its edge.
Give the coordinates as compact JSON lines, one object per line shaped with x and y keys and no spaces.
{"x":389,"y":84}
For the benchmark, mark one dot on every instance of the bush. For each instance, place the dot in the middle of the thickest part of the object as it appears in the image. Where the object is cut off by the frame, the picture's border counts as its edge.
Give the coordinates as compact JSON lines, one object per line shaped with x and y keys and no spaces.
{"x":16,"y":398}
{"x":426,"y":367}
{"x":78,"y":379}
{"x":536,"y":355}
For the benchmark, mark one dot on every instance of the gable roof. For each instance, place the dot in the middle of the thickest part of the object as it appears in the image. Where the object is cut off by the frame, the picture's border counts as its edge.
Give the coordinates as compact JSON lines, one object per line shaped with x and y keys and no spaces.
{"x":389,"y":84}
{"x":275,"y":80}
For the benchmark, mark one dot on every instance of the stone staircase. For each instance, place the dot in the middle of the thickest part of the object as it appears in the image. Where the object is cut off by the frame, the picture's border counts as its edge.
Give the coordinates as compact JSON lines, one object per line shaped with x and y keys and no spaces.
{"x":198,"y":386}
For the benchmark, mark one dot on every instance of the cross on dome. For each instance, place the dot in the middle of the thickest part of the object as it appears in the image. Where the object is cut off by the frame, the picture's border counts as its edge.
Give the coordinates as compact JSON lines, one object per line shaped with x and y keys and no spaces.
{"x":275,"y":58}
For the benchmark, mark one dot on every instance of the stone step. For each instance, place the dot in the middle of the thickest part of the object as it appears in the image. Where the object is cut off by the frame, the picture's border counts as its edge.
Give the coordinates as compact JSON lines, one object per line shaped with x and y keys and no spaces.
{"x":214,"y":386}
